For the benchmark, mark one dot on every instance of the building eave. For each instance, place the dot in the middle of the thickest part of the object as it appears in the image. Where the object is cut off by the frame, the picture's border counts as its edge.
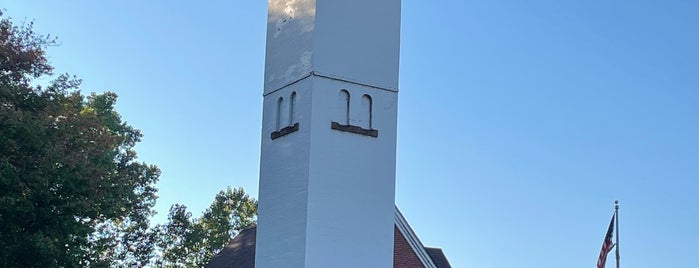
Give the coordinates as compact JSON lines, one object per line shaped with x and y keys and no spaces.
{"x":413,"y":240}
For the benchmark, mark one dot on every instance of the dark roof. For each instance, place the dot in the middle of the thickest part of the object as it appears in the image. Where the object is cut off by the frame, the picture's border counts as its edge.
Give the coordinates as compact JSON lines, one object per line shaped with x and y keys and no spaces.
{"x":438,"y":257}
{"x":240,"y":252}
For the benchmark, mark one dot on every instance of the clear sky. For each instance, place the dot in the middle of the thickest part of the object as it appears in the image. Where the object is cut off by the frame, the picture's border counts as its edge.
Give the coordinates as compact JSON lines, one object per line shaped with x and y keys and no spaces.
{"x":520,"y":122}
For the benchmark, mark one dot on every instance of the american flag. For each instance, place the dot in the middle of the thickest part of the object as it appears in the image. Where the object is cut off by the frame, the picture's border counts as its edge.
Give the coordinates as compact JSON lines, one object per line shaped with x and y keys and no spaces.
{"x":606,"y":246}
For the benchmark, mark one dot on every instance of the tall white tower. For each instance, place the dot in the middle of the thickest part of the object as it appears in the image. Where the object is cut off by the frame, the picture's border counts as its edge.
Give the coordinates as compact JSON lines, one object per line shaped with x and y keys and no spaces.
{"x":327,"y":171}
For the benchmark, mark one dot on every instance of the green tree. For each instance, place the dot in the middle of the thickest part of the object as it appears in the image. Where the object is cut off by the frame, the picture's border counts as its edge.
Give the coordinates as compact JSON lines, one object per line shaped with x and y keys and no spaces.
{"x":71,"y":191}
{"x":188,"y":242}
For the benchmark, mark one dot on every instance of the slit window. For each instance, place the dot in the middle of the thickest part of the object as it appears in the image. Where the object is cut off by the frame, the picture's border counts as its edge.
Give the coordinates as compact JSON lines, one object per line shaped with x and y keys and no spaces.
{"x":292,"y":108}
{"x":280,"y":107}
{"x":343,"y":107}
{"x":366,"y":112}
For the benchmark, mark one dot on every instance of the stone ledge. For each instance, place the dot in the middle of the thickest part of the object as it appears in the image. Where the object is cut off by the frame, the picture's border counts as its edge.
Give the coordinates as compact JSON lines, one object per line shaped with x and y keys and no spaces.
{"x":354,"y":129}
{"x":285,"y":131}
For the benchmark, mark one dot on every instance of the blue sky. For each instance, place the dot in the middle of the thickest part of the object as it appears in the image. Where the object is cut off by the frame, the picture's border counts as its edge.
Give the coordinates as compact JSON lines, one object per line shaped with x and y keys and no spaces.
{"x":520,"y":122}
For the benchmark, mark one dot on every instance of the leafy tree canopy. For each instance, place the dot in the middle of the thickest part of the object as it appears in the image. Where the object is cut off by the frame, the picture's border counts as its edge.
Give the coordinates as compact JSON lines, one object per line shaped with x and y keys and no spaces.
{"x":70,"y":186}
{"x":71,"y":191}
{"x":188,"y":242}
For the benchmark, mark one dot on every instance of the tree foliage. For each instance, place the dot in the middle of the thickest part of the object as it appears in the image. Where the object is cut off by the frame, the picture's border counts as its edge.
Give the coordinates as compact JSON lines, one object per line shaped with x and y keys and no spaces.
{"x":71,"y":191}
{"x":192,"y":242}
{"x":70,"y":186}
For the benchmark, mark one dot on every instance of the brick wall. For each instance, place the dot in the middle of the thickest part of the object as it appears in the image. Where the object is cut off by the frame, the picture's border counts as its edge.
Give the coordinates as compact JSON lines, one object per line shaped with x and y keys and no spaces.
{"x":403,"y":254}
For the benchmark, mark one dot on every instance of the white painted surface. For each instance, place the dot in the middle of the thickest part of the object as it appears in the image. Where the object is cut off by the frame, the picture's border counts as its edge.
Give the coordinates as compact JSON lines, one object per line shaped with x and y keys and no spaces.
{"x":283,"y":193}
{"x":327,"y":196}
{"x":352,"y":183}
{"x":357,"y":40}
{"x":290,"y":27}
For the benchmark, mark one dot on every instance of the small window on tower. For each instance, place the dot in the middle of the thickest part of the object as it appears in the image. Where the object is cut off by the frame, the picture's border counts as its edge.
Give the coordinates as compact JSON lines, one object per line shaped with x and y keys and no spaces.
{"x":285,"y":118}
{"x":280,"y":106}
{"x":292,"y":108}
{"x":343,"y":107}
{"x":365,"y":113}
{"x":363,"y":122}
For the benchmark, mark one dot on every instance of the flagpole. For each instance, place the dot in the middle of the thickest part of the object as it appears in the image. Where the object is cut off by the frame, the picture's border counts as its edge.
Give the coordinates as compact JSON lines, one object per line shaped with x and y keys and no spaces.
{"x":616,"y":214}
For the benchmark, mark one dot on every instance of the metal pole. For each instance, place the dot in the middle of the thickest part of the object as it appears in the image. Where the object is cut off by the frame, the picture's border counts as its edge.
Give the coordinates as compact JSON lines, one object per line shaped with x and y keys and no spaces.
{"x":616,"y":213}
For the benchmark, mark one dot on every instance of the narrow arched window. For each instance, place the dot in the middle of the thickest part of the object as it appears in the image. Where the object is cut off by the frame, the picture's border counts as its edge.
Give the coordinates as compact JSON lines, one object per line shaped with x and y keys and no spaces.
{"x":292,"y":108}
{"x":280,"y":107}
{"x":343,"y":107}
{"x":365,"y":115}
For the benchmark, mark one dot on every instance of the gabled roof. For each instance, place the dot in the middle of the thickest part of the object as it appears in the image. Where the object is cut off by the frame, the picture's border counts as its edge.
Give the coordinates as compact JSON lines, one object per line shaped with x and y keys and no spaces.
{"x":408,"y":251}
{"x":414,"y":242}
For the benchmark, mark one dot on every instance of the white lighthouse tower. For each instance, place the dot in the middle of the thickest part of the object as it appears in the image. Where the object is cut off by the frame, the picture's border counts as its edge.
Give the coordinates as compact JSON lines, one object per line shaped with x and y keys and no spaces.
{"x":327,"y":172}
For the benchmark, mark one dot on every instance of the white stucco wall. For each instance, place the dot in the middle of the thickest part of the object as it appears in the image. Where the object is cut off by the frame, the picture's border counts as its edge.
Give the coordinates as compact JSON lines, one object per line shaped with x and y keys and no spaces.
{"x":289,"y":52}
{"x":327,"y":196}
{"x":357,"y":40}
{"x":352,"y":182}
{"x":284,"y":185}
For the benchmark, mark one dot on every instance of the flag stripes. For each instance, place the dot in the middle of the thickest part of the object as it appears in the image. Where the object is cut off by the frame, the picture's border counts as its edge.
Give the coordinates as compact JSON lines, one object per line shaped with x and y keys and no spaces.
{"x":607,"y":245}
